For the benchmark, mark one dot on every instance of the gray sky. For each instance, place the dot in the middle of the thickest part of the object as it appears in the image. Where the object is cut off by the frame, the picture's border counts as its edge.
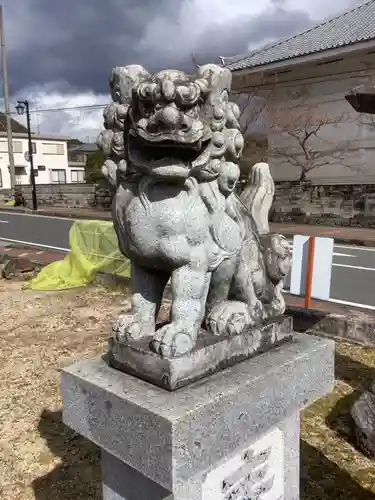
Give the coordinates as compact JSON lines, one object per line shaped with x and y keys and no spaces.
{"x":68,"y":47}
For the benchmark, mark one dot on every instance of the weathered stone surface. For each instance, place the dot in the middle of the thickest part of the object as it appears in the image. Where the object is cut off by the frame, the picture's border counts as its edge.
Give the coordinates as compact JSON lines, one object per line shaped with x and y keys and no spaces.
{"x":182,"y":439}
{"x":354,"y":326}
{"x":363,"y":414}
{"x":335,"y":205}
{"x":210,"y":354}
{"x":65,"y":195}
{"x":172,"y":142}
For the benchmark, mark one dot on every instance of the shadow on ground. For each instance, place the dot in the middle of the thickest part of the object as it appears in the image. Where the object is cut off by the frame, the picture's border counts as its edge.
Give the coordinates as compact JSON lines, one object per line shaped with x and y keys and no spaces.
{"x":78,"y":475}
{"x":359,"y":377}
{"x":324,"y":480}
{"x":303,"y":322}
{"x":354,"y":373}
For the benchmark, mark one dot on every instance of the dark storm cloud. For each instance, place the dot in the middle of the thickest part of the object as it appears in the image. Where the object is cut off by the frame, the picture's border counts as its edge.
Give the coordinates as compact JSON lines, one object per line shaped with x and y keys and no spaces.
{"x":79,"y":41}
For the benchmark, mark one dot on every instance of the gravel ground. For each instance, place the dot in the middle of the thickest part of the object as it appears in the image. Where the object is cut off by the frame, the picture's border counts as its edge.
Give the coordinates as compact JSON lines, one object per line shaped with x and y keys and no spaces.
{"x":41,"y":459}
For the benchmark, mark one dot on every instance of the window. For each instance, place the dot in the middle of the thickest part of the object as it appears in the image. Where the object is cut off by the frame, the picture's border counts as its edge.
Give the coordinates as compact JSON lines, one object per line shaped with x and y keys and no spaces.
{"x":41,"y":168}
{"x":1,"y":178}
{"x":17,"y":147}
{"x":20,"y":170}
{"x":33,"y":146}
{"x":58,"y":176}
{"x":21,"y":174}
{"x":78,"y":175}
{"x":50,"y":148}
{"x":78,"y":157}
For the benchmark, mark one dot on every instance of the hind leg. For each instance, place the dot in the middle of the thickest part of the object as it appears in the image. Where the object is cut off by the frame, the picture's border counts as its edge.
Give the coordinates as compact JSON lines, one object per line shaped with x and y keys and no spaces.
{"x":243,"y":307}
{"x":220,"y":285}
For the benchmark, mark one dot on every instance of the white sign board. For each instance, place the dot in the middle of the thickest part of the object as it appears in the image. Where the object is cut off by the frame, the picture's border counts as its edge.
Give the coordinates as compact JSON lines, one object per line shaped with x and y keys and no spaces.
{"x":322,"y":268}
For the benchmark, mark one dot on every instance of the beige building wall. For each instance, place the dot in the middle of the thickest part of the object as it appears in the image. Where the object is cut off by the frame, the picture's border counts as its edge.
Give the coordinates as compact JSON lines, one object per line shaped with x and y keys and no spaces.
{"x":318,"y":91}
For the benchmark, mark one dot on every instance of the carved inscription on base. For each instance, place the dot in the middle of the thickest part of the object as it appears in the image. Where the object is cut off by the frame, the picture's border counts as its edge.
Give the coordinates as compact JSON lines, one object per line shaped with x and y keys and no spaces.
{"x":255,"y":474}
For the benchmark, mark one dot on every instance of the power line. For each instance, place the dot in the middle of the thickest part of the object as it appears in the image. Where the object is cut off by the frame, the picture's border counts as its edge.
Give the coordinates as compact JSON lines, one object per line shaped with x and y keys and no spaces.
{"x":71,"y":108}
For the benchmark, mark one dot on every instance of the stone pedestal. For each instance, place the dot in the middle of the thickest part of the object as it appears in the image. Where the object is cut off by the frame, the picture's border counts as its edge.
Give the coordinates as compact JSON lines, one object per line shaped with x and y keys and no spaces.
{"x":233,"y":435}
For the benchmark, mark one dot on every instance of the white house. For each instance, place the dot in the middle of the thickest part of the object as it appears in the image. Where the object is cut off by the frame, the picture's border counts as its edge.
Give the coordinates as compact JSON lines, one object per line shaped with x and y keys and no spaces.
{"x":77,"y":157}
{"x":50,"y":158}
{"x":304,"y":79}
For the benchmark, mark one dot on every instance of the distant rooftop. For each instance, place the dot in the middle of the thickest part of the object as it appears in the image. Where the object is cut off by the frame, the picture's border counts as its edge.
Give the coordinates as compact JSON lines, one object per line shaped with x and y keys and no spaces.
{"x":87,"y":147}
{"x":17,"y":127}
{"x":352,"y":26}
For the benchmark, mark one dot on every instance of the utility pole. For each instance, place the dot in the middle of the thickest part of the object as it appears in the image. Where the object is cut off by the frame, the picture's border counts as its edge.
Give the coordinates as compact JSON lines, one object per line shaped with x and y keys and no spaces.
{"x":12,"y":169}
{"x":21,"y":107}
{"x":31,"y":158}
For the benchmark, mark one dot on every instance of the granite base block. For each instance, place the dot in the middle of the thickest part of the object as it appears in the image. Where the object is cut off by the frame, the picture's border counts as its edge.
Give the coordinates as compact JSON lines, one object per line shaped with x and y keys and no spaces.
{"x":211,"y":354}
{"x":234,"y":434}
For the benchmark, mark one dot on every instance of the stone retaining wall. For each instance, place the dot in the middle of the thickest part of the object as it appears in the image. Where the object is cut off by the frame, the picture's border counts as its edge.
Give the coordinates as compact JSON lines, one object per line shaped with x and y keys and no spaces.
{"x":341,"y":204}
{"x":65,"y":195}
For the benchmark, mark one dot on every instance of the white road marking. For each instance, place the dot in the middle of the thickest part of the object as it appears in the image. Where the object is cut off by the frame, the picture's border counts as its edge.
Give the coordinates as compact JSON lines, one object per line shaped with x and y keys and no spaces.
{"x":354,"y":304}
{"x":349,"y":247}
{"x":355,"y":267}
{"x":355,"y":248}
{"x":338,"y":254}
{"x":23,"y":254}
{"x":19,"y":214}
{"x":4,"y":222}
{"x":35,"y":244}
{"x":338,"y":301}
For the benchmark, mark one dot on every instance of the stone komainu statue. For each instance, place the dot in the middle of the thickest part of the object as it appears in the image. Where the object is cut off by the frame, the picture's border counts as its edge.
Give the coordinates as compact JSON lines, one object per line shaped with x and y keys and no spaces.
{"x":172,"y":142}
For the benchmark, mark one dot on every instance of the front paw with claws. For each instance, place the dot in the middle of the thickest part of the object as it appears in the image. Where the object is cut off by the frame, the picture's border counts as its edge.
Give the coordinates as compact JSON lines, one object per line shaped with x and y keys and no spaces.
{"x":174,"y":339}
{"x":130,"y":327}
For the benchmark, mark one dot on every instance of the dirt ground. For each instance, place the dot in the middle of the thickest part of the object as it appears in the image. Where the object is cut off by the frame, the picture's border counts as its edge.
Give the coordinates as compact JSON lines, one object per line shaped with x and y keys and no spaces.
{"x":43,"y":460}
{"x":39,"y":333}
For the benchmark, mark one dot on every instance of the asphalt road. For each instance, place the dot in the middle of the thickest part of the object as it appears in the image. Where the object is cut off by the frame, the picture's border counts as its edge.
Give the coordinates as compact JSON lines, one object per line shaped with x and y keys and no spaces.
{"x":35,"y":230}
{"x":353,"y":272}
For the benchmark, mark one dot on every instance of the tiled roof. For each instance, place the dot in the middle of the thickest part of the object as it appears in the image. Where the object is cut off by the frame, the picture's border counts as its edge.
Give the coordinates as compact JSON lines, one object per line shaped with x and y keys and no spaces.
{"x":88,"y":147}
{"x":352,"y":26}
{"x":17,"y":127}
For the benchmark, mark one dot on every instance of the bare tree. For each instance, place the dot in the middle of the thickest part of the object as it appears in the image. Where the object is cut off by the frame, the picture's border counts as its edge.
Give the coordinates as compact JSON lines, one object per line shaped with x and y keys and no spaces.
{"x":304,"y":136}
{"x":253,"y":102}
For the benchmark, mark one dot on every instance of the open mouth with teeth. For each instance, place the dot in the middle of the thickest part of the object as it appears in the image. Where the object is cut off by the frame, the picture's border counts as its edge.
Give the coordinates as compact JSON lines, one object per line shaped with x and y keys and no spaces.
{"x":166,"y":157}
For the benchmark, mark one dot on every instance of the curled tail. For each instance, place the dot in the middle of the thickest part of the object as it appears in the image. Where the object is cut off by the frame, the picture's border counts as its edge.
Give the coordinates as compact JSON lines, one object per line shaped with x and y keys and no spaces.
{"x":258,"y":196}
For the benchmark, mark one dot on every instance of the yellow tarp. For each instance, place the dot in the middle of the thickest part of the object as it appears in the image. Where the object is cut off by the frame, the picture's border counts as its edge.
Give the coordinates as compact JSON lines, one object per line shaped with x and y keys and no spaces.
{"x":93,"y":248}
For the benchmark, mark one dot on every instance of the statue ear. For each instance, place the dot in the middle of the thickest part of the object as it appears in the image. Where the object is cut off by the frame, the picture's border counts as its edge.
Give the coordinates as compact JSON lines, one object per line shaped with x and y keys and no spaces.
{"x":218,"y":78}
{"x":125,"y":79}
